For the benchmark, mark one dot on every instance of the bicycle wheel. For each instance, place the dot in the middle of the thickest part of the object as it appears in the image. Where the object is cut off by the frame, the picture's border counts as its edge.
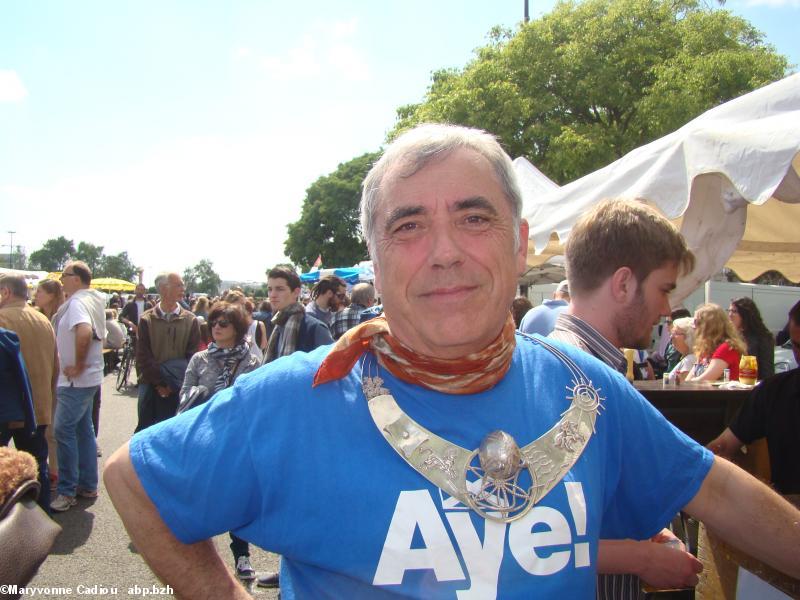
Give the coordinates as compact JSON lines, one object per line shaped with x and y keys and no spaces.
{"x":124,"y":369}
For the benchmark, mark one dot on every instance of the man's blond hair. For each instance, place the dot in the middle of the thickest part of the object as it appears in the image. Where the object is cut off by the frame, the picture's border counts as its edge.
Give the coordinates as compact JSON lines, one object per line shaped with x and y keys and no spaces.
{"x":622,"y":233}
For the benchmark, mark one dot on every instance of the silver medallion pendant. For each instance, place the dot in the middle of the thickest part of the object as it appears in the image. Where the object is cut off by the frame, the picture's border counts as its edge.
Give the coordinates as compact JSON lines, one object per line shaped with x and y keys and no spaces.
{"x":500,"y":464}
{"x":499,"y":480}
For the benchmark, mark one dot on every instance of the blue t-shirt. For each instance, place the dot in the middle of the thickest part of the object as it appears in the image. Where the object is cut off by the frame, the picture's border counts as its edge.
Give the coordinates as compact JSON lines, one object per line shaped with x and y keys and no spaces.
{"x":305,"y":473}
{"x":542,"y":319}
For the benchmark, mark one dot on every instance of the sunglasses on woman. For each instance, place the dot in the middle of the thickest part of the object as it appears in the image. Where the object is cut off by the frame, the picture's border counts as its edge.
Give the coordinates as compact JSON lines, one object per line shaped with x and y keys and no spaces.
{"x":221,"y":322}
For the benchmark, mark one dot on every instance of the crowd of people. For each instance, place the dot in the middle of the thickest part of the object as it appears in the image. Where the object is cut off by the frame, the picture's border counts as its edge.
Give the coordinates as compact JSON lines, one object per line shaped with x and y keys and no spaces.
{"x":339,"y":433}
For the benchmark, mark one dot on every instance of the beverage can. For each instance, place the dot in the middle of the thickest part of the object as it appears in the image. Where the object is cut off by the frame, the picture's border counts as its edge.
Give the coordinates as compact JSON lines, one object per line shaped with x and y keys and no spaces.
{"x":748,"y":370}
{"x":726,"y":375}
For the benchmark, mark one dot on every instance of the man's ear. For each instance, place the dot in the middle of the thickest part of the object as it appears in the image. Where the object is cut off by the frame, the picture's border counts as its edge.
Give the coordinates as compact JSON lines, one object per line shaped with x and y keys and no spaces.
{"x":522,"y":251}
{"x":623,"y":285}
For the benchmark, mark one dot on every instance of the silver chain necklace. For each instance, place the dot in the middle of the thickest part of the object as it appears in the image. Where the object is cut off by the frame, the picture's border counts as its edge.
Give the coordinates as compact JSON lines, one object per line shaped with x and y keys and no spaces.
{"x":496,"y":491}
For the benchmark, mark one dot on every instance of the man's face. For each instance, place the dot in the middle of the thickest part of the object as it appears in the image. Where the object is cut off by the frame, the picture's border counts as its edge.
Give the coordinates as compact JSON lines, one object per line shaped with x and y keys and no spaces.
{"x":445,"y":259}
{"x":280,"y":294}
{"x":173,"y":290}
{"x":70,"y":281}
{"x":140,"y":290}
{"x":794,"y":335}
{"x":338,"y":298}
{"x":650,"y":302}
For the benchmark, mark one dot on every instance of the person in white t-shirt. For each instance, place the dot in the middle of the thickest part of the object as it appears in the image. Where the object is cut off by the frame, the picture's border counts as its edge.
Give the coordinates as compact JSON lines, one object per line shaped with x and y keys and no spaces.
{"x":80,"y":331}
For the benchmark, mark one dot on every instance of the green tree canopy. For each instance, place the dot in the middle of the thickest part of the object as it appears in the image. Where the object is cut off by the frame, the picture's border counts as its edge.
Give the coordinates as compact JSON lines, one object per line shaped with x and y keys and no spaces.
{"x":329,"y":223}
{"x":590,"y":81}
{"x":115,"y":265}
{"x":53,"y":254}
{"x":90,"y":254}
{"x":202,"y":278}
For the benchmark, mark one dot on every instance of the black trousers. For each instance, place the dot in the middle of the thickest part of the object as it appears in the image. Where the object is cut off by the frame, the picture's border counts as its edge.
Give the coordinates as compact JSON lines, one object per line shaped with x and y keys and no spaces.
{"x":152,"y":408}
{"x":35,"y":445}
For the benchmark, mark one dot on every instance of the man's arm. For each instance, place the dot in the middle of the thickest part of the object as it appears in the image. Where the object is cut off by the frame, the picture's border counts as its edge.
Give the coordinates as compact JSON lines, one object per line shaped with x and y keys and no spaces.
{"x":655,"y":562}
{"x":192,"y":570}
{"x":726,"y":444}
{"x":144,"y":355}
{"x":749,"y":516}
{"x":194,"y":338}
{"x":83,"y":338}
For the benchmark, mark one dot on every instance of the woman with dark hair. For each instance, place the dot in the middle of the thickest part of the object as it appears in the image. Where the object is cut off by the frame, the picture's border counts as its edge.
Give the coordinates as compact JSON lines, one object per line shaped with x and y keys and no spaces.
{"x":215,"y":369}
{"x":519,"y":308}
{"x":49,"y":296}
{"x":746,"y":317}
{"x":717,"y":345}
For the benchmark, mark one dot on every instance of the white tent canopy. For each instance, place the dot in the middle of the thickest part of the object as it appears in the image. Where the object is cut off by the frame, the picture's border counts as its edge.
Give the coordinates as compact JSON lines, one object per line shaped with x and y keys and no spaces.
{"x":729,"y":178}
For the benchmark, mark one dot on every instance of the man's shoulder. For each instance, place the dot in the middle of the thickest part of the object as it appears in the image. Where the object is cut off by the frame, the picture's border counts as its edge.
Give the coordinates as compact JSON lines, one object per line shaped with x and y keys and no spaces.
{"x":784,"y":383}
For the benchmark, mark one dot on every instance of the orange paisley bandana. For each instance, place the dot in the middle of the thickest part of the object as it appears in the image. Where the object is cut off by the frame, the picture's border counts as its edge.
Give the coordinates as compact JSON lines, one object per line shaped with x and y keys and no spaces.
{"x":468,"y":375}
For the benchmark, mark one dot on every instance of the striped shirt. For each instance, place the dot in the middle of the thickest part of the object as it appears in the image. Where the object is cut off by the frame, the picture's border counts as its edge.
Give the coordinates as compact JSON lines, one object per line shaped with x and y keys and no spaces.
{"x":577,"y":332}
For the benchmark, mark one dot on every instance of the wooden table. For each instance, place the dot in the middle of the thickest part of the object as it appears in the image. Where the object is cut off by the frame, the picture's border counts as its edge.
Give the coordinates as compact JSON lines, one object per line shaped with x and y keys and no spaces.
{"x":701,"y":410}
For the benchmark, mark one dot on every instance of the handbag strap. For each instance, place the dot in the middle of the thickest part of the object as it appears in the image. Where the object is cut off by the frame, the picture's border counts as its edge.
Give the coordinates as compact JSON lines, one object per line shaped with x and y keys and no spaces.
{"x":29,"y":487}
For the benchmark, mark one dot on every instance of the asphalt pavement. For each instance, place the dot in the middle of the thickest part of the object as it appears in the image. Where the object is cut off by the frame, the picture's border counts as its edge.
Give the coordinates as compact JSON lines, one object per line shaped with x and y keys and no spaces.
{"x":93,"y":556}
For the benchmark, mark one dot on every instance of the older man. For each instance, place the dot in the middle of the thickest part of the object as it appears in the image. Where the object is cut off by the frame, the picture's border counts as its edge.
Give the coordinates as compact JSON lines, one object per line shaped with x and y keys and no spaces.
{"x":80,"y":325}
{"x":361,"y":298}
{"x":38,"y":344}
{"x":168,"y":337}
{"x":397,"y":471}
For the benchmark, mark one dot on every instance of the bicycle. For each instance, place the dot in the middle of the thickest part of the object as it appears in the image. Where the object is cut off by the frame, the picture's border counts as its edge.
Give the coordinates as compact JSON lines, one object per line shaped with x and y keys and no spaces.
{"x":125,"y":364}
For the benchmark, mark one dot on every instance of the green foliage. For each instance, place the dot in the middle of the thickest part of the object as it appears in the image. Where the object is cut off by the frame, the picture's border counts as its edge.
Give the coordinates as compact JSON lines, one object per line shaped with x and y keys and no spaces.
{"x":202,"y":278}
{"x":590,"y":81}
{"x":53,"y":255}
{"x":329,"y":222}
{"x":116,"y":265}
{"x":91,"y":255}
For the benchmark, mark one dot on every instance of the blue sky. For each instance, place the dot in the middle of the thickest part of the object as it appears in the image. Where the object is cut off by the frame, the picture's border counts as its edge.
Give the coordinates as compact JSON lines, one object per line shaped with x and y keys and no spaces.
{"x":184,"y":130}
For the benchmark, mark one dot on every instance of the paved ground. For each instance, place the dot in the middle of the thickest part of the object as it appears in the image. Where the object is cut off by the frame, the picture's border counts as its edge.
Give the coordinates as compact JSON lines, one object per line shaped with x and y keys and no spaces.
{"x":93,"y":550}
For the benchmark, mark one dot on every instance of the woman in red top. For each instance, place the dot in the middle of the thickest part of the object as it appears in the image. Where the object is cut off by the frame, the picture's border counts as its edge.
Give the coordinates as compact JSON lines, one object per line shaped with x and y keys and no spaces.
{"x":717,"y":344}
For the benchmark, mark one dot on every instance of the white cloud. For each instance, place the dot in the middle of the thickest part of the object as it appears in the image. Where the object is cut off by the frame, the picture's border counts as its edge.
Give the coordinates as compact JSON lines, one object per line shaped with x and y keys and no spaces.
{"x":327,"y":49}
{"x":11,"y":87}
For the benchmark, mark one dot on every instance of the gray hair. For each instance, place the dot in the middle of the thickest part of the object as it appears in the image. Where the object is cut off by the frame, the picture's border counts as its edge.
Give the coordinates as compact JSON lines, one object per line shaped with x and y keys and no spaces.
{"x":686,"y":326}
{"x":414,"y":149}
{"x":161,"y":280}
{"x":363,"y":294}
{"x":16,"y":285}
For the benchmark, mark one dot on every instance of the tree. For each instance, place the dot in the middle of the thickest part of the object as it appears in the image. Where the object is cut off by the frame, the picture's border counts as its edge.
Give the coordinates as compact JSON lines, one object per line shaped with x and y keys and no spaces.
{"x":90,"y":254}
{"x":329,"y":222}
{"x":202,"y":278}
{"x":116,"y":265}
{"x":590,"y":81}
{"x":53,"y":255}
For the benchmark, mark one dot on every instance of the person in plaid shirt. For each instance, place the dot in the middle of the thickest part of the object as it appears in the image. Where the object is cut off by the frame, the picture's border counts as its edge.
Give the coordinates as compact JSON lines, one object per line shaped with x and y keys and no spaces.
{"x":361,"y":298}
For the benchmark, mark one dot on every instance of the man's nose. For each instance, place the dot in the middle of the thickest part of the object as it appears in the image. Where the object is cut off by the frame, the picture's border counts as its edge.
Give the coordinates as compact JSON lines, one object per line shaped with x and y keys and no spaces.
{"x":446,"y":247}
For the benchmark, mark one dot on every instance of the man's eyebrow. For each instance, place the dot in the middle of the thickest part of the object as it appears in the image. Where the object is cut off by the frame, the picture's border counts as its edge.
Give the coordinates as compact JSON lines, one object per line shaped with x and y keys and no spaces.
{"x":402,"y":213}
{"x":475,"y":202}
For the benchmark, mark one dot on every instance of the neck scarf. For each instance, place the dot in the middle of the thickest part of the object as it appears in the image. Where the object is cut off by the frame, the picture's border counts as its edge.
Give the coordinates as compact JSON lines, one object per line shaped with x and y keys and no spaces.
{"x":230,"y":359}
{"x":287,"y":328}
{"x":470,"y":374}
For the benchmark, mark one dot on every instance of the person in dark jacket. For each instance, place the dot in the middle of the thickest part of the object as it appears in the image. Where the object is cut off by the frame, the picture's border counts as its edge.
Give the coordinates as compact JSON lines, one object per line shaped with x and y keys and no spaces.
{"x":294,"y":328}
{"x":744,"y":314}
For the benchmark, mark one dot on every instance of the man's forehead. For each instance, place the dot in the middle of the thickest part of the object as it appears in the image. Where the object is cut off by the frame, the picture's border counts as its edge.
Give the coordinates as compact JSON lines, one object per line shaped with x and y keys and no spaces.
{"x":277,"y":281}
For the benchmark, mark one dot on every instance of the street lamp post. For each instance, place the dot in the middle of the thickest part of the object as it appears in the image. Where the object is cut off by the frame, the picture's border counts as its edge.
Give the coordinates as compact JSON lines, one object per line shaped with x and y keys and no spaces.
{"x":11,"y":249}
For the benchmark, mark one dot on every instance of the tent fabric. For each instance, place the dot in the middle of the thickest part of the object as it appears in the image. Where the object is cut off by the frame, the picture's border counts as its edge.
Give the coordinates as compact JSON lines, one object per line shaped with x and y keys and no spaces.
{"x":350,"y":274}
{"x":729,"y":178}
{"x":110,"y":284}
